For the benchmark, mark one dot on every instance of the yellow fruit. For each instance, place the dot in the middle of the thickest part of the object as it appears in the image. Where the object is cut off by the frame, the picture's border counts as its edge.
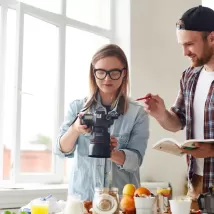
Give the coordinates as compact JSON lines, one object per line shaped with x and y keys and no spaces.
{"x":129,"y":189}
{"x":164,"y":192}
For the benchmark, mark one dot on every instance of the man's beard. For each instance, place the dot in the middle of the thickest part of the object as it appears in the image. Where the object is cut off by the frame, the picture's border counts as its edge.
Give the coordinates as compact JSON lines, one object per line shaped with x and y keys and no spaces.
{"x":206,"y":56}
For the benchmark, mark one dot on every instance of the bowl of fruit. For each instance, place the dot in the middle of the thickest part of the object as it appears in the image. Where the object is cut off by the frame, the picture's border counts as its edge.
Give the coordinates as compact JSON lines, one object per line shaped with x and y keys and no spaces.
{"x":144,"y":201}
{"x":137,"y":200}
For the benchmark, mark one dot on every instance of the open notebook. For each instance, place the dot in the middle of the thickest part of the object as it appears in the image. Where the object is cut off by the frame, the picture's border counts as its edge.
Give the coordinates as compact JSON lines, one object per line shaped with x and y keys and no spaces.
{"x":172,"y":146}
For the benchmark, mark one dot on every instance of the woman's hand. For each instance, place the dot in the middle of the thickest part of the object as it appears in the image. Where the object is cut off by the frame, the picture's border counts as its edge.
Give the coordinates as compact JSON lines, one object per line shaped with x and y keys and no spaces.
{"x":113,"y":143}
{"x":79,"y":128}
{"x":68,"y":140}
{"x":117,"y":156}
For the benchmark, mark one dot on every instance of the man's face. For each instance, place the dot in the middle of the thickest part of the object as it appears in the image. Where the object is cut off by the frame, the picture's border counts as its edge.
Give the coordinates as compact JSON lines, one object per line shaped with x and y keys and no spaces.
{"x":197,"y":48}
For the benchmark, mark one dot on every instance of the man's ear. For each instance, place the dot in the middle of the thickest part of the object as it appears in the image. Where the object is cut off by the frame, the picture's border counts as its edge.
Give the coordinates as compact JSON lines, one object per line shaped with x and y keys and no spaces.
{"x":212,"y":37}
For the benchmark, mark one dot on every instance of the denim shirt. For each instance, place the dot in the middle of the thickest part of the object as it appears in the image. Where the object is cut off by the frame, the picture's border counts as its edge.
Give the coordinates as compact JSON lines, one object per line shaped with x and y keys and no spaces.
{"x":132,"y":132}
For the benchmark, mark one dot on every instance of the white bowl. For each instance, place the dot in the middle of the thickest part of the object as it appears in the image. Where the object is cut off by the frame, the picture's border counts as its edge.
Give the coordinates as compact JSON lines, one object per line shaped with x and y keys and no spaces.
{"x":180,"y":206}
{"x":144,"y":203}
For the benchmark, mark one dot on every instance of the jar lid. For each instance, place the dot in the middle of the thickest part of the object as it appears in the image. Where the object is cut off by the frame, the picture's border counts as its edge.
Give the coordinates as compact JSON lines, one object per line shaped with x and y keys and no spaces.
{"x":114,"y":189}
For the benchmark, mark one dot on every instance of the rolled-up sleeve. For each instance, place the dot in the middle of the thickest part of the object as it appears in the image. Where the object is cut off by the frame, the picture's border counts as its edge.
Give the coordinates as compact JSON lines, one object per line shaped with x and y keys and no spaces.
{"x":131,"y":161}
{"x":58,"y":151}
{"x":69,"y":118}
{"x":135,"y":150}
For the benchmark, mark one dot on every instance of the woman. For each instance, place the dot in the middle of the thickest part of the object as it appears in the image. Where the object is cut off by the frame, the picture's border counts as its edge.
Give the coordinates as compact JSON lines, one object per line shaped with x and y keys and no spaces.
{"x":109,"y":80}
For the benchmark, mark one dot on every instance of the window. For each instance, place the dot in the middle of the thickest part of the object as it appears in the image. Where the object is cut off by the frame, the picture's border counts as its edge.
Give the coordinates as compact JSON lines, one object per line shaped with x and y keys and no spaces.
{"x":8,"y":90}
{"x":38,"y":91}
{"x":45,"y":53}
{"x":94,"y":12}
{"x":49,"y":5}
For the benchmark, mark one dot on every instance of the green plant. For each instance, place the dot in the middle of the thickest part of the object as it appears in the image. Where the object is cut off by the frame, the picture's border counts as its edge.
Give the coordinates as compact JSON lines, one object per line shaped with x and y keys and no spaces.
{"x":42,"y":139}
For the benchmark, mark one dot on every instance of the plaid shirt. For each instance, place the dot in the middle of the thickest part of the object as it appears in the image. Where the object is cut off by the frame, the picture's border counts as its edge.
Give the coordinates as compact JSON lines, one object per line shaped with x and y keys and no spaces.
{"x":183,"y":107}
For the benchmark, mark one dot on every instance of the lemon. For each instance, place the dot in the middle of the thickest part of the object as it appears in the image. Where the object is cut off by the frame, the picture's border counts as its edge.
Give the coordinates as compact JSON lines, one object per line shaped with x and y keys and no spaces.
{"x":129,"y":189}
{"x":164,"y":192}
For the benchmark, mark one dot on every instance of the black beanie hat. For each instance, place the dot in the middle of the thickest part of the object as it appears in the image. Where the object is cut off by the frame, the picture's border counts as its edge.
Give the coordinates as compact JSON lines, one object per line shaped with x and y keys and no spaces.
{"x":197,"y":19}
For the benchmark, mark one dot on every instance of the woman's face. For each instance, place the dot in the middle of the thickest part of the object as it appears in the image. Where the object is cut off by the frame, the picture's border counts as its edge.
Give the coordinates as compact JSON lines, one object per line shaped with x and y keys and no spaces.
{"x":109,"y":73}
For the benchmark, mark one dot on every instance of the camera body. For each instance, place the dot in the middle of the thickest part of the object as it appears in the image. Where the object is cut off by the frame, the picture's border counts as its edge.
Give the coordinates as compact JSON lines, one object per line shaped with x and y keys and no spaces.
{"x":99,"y":122}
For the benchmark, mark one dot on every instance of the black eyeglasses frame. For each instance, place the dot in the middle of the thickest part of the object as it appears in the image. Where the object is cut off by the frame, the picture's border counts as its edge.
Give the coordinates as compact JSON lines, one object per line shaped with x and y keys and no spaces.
{"x":108,"y":73}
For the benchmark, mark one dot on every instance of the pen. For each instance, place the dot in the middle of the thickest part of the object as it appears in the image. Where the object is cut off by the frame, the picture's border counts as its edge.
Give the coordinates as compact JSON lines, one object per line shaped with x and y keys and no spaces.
{"x":144,"y":98}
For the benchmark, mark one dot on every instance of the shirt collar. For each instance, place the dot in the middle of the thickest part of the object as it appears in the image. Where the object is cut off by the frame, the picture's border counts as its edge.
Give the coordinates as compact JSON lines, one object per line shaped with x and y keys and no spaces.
{"x":99,"y":104}
{"x":197,"y":69}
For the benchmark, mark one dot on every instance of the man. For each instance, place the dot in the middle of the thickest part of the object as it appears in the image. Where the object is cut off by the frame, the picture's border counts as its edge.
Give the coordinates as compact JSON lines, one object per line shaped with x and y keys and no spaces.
{"x":194,"y":106}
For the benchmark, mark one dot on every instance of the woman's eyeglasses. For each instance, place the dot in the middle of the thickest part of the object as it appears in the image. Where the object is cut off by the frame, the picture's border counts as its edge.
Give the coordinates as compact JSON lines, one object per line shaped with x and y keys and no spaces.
{"x":114,"y":74}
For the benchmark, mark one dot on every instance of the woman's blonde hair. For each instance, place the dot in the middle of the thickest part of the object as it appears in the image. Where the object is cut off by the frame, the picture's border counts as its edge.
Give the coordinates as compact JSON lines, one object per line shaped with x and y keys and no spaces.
{"x":110,"y":50}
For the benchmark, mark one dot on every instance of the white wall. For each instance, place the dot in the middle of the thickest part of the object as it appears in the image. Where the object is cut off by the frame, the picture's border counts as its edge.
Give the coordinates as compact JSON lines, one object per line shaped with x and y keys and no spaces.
{"x":156,"y":65}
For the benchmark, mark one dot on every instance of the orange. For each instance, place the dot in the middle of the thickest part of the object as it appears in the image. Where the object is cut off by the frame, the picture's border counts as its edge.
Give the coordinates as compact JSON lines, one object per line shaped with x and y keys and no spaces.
{"x":127,"y":203}
{"x":142,"y":191}
{"x":129,"y":189}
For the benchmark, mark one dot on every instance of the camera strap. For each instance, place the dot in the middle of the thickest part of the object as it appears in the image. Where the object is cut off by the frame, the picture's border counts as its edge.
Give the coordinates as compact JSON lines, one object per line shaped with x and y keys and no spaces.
{"x":82,"y":110}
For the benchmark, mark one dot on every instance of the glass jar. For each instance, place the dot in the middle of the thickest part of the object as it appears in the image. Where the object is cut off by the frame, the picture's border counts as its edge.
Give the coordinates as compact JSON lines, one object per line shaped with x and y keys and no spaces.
{"x":106,"y":201}
{"x":114,"y":192}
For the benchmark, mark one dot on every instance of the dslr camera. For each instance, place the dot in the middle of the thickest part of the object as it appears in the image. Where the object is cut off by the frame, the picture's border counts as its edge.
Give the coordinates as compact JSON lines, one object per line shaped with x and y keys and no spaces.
{"x":99,"y":122}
